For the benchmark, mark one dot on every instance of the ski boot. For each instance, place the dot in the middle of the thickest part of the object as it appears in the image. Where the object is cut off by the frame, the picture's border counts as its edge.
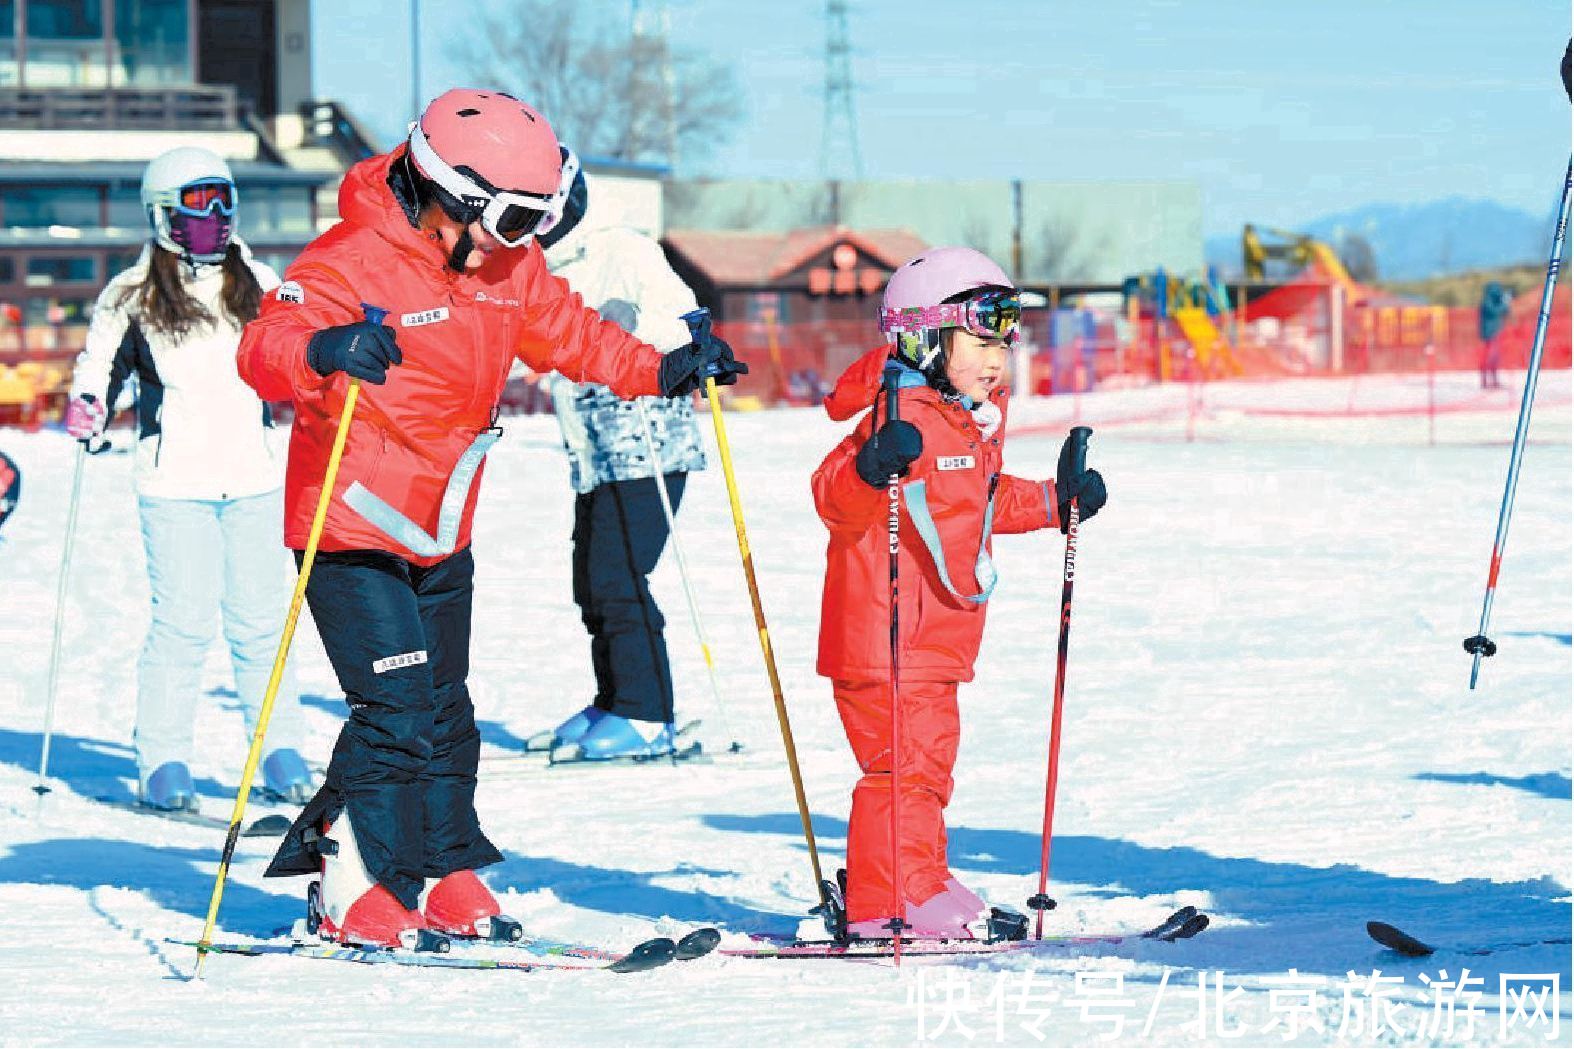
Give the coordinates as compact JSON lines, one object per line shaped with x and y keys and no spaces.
{"x":169,"y":788}
{"x":619,"y":737}
{"x":944,"y":916}
{"x":347,"y":907}
{"x":459,"y":904}
{"x":989,"y":923}
{"x":286,"y":777}
{"x":566,"y":737}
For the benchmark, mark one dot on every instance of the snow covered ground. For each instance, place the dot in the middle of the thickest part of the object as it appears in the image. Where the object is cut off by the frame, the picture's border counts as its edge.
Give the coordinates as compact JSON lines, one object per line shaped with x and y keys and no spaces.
{"x":1267,"y":717}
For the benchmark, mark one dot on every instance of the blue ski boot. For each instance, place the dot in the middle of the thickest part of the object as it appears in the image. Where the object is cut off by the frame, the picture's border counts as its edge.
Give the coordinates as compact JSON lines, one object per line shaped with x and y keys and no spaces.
{"x":169,"y":787}
{"x":618,"y":737}
{"x":573,"y":730}
{"x":567,"y":736}
{"x":285,"y":775}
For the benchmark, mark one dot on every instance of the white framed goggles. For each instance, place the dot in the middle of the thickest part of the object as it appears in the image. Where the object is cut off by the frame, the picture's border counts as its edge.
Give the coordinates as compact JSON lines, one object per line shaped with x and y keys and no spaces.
{"x":509,"y":216}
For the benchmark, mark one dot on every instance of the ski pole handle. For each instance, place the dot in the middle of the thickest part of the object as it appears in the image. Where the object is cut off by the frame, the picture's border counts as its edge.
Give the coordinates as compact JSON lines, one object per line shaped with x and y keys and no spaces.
{"x":1079,"y":447}
{"x":699,"y":322}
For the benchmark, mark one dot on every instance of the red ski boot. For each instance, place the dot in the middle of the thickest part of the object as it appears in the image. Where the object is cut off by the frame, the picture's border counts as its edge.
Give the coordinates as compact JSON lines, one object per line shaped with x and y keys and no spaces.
{"x":459,"y":904}
{"x":348,"y":907}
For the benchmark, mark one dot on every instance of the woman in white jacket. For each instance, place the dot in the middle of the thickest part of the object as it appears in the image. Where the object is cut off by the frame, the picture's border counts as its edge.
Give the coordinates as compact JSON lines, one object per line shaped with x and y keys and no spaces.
{"x":620,"y":527}
{"x":208,"y":483}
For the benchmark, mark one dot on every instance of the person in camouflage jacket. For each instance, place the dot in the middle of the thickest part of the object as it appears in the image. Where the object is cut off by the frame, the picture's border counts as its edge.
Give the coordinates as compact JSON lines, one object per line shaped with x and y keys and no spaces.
{"x":620,"y":527}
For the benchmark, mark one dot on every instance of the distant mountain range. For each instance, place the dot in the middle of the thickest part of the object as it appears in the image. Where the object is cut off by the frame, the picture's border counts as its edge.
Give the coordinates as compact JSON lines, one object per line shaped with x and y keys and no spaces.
{"x":1412,"y":241}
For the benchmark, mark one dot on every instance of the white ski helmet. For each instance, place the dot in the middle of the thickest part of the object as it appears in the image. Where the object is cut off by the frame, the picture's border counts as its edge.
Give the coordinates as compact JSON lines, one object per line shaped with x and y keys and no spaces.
{"x":190,"y":198}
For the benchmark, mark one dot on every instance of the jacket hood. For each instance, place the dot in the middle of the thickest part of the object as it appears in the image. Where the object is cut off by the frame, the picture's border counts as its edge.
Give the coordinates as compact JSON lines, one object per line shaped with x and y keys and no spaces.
{"x":859,"y":384}
{"x":366,"y":200}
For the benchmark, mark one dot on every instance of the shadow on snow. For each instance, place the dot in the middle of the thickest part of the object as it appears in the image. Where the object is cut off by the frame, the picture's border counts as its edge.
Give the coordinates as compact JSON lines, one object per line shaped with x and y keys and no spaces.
{"x":1277,"y":915}
{"x":1553,"y":785}
{"x":176,"y":878}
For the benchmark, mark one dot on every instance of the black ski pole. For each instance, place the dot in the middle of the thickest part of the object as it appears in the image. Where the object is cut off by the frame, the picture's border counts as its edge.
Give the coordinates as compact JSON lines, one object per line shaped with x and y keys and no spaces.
{"x":1041,"y":901}
{"x":894,"y":530}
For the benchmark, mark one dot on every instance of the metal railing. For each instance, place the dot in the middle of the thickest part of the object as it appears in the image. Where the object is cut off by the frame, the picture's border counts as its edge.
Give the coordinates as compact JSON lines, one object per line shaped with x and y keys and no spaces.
{"x":330,"y":125}
{"x":189,"y":108}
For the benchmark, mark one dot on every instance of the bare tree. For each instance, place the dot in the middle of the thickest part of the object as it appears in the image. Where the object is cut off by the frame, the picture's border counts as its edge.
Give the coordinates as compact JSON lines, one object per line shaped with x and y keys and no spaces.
{"x":609,"y":91}
{"x":1064,"y":251}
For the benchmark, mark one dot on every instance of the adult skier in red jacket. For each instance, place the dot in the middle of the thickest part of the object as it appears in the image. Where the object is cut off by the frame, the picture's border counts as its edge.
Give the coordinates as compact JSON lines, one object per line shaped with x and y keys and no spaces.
{"x":951,"y":314}
{"x":439,"y":235}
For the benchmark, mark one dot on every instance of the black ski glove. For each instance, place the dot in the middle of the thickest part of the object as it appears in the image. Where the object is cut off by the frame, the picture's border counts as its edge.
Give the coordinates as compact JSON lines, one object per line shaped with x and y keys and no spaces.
{"x":686,"y":368}
{"x":1086,"y":486}
{"x":362,"y":350}
{"x":891,"y":450}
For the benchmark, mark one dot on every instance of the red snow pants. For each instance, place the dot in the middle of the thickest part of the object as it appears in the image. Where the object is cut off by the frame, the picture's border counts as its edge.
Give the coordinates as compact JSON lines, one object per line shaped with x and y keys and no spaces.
{"x":930,"y":733}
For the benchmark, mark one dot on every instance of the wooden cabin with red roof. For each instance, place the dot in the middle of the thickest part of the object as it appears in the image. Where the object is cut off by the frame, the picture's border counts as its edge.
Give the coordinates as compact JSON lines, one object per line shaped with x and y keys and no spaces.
{"x":798,"y":306}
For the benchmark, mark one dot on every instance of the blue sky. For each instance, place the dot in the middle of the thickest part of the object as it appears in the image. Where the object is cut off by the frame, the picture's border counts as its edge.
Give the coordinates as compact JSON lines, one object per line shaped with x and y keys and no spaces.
{"x":1280,"y":112}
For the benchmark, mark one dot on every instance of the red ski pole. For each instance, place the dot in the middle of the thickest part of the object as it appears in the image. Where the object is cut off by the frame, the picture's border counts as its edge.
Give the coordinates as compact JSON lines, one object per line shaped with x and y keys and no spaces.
{"x":1041,"y":902}
{"x":899,"y":915}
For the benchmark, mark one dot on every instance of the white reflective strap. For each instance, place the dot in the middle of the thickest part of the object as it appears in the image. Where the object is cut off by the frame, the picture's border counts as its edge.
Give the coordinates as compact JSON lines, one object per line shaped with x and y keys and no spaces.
{"x":406,"y":532}
{"x":984,"y":574}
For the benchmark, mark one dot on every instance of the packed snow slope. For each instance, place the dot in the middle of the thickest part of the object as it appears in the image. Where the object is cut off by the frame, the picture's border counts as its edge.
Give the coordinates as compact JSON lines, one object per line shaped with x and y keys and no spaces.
{"x":1266,"y":716}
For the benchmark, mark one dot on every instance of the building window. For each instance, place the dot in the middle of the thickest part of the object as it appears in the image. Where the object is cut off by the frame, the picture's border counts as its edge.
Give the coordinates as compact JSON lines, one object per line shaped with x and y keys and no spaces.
{"x":7,"y":270}
{"x":52,"y":310}
{"x":117,"y":262}
{"x":65,"y":43}
{"x":125,"y":208}
{"x":275,"y":209}
{"x":8,"y":70}
{"x":37,"y":206}
{"x":61,"y":269}
{"x":154,"y":42}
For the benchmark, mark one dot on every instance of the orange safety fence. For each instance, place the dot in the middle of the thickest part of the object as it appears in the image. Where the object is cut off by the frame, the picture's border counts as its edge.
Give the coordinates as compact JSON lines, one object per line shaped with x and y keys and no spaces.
{"x":1306,"y":329}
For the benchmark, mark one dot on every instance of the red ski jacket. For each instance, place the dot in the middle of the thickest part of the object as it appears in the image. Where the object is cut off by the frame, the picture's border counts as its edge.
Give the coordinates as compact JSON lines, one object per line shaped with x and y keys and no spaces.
{"x":952,"y":500}
{"x":410,"y":474}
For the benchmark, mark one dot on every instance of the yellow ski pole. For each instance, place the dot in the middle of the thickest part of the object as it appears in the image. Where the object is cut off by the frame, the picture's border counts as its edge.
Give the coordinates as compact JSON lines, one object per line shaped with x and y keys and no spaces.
{"x":254,"y":755}
{"x":699,"y":323}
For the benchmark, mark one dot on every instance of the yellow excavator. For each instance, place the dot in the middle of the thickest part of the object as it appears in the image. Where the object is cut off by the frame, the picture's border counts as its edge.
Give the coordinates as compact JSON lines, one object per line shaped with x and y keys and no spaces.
{"x":1298,"y":249}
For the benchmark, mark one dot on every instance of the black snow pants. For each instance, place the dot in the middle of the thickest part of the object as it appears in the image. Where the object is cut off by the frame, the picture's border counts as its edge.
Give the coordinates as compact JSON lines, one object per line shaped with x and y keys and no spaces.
{"x":619,"y":531}
{"x":398,"y":636}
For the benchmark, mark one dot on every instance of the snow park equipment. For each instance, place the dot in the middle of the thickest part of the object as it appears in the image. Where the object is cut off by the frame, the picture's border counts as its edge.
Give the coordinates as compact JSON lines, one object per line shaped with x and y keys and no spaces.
{"x":374,"y":315}
{"x":41,"y":788}
{"x":1479,"y":645}
{"x":1077,"y":451}
{"x":699,"y":323}
{"x":657,"y":473}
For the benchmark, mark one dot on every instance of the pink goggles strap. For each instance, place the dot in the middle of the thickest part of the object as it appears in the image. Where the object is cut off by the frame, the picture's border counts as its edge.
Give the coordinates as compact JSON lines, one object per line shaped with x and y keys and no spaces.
{"x":917,"y":318}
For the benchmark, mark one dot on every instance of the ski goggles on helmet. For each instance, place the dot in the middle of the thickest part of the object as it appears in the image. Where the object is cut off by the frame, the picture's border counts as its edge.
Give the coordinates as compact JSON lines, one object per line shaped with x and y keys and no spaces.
{"x":510,"y":217}
{"x":990,"y":315}
{"x":203,"y":197}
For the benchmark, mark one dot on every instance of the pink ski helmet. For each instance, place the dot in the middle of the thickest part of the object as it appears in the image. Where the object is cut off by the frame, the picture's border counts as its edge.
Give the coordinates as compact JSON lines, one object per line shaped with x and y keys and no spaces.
{"x":952,"y":287}
{"x":492,"y":158}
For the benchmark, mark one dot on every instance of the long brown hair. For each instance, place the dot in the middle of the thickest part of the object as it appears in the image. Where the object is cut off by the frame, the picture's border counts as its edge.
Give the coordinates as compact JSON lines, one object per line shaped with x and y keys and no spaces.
{"x":165,"y":305}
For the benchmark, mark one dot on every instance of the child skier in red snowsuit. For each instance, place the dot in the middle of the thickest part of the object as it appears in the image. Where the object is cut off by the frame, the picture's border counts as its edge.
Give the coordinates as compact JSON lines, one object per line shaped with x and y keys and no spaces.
{"x":951,"y":315}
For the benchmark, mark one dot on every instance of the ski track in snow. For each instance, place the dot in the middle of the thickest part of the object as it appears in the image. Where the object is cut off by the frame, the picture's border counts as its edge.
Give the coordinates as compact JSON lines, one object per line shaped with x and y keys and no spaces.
{"x":1266,"y":716}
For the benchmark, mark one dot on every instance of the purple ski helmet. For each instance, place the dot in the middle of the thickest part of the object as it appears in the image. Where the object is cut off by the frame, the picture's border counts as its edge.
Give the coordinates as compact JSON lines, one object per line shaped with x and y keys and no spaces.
{"x":934,"y":291}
